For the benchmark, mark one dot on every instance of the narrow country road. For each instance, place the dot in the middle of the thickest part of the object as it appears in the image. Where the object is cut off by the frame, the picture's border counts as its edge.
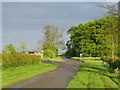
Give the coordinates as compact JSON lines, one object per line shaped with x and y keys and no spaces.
{"x":58,"y":78}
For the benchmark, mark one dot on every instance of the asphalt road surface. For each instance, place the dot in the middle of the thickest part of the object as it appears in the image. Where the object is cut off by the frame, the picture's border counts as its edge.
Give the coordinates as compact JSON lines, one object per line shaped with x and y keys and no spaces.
{"x":58,"y":78}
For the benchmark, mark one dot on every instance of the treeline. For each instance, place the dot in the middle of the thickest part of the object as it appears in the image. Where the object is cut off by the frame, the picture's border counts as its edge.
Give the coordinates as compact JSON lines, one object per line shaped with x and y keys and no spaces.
{"x":95,"y":39}
{"x":12,"y":57}
{"x":50,"y":44}
{"x":9,"y":48}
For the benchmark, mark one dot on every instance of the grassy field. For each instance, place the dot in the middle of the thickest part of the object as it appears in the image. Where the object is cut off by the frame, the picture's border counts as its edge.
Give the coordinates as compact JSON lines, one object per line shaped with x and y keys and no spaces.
{"x":55,"y":59}
{"x":15,"y":74}
{"x":93,"y":74}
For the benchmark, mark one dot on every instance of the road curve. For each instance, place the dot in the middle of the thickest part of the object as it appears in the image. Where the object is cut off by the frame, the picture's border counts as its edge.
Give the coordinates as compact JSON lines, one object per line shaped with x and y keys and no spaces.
{"x":58,"y":78}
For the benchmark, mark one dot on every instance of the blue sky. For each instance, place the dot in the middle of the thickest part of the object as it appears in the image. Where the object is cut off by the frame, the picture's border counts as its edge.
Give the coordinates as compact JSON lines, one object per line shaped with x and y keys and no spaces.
{"x":24,"y":21}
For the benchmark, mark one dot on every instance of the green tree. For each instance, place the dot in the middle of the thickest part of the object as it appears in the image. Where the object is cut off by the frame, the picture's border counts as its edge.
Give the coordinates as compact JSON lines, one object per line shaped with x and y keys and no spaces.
{"x":112,"y":33}
{"x":112,"y":27}
{"x":50,"y":50}
{"x":23,"y":46}
{"x":88,"y":39}
{"x":9,"y":49}
{"x":52,"y":35}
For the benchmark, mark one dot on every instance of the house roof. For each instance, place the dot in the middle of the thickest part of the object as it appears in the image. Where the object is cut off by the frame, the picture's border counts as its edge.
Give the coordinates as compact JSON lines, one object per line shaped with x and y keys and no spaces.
{"x":30,"y":51}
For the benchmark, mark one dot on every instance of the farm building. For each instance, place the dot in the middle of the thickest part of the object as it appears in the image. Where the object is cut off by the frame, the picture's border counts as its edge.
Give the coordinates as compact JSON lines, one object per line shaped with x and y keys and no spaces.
{"x":38,"y":53}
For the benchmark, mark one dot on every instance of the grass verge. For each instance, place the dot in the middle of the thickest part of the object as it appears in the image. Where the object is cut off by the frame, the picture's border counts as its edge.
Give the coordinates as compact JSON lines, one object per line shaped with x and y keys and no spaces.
{"x":55,"y":59}
{"x":13,"y":75}
{"x":93,"y":74}
{"x":86,"y":58}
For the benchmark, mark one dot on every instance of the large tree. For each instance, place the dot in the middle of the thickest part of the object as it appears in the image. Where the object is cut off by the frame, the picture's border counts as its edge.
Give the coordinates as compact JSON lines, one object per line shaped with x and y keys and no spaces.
{"x":92,"y":38}
{"x":112,"y":26}
{"x":51,"y":40}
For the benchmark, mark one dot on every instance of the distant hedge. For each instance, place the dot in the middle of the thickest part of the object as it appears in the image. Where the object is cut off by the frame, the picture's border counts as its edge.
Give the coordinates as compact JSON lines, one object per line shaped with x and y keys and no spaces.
{"x":14,"y":60}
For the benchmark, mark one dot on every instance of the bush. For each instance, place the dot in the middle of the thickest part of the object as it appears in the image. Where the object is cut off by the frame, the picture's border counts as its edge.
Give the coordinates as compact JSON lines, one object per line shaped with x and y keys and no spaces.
{"x":50,"y":50}
{"x":113,"y":64}
{"x":49,"y":53}
{"x":14,"y":60}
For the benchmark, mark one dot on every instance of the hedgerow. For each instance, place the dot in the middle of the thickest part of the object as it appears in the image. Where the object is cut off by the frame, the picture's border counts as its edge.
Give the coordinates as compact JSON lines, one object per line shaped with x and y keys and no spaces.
{"x":14,"y":60}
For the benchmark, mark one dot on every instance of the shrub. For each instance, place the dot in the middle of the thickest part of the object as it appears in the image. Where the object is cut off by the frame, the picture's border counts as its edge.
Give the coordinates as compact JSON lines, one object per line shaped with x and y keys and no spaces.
{"x":113,"y":64}
{"x":14,"y":60}
{"x":49,"y":53}
{"x":50,"y":50}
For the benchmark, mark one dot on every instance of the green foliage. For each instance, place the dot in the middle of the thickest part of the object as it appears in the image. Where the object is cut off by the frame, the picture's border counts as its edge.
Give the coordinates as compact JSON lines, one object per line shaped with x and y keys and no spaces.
{"x":15,"y":60}
{"x":49,"y":53}
{"x":52,"y":34}
{"x":23,"y":46}
{"x":87,"y":39}
{"x":26,"y":52}
{"x":50,"y":50}
{"x":86,"y":58}
{"x":9,"y":49}
{"x":98,"y":38}
{"x":93,"y":74}
{"x":112,"y":64}
{"x":93,"y":38}
{"x":51,"y":42}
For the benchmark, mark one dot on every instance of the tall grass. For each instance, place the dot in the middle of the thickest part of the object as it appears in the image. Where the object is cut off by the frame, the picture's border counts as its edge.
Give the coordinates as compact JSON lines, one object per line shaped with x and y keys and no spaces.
{"x":14,"y":60}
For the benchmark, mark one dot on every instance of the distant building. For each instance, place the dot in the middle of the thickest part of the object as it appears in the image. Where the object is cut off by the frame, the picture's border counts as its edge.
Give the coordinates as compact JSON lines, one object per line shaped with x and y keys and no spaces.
{"x":38,"y":53}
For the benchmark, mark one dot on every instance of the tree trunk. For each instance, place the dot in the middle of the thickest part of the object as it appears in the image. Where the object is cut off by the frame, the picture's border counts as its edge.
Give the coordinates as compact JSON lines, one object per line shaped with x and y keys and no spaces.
{"x":90,"y":54}
{"x":82,"y":49}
